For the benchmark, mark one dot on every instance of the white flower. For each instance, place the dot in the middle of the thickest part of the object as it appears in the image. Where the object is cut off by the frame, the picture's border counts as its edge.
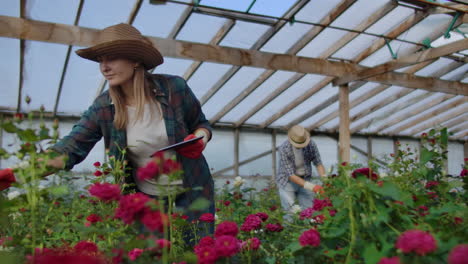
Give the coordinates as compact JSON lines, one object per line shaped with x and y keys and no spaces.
{"x":21,"y":165}
{"x":13,"y":194}
{"x":295,"y":209}
{"x":2,"y":248}
{"x":216,"y":217}
{"x":397,"y":174}
{"x":41,"y":187}
{"x":14,"y":215}
{"x":383,"y":175}
{"x":238,"y":181}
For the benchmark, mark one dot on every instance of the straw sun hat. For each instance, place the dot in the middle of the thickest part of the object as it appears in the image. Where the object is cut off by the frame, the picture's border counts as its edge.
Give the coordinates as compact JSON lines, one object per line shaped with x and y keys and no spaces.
{"x":298,"y":136}
{"x":126,"y":41}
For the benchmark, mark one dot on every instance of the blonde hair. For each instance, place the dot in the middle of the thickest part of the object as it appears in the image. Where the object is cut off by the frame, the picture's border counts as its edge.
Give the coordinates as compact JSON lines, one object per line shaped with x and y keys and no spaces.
{"x":142,"y":90}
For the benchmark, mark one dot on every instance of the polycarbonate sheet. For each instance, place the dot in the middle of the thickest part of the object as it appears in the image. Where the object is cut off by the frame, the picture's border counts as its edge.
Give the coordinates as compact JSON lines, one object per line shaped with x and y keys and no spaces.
{"x":328,"y":150}
{"x":321,"y":43}
{"x":316,"y":99}
{"x":265,"y":7}
{"x":316,"y":10}
{"x":237,"y":37}
{"x":391,"y":20}
{"x":80,"y":85}
{"x":357,"y":13}
{"x":53,"y":11}
{"x":158,"y":20}
{"x":9,"y":68}
{"x":259,"y":94}
{"x":173,"y":66}
{"x":435,"y":121}
{"x":329,"y":110}
{"x":354,"y":47}
{"x":230,"y":90}
{"x":355,"y":156}
{"x":382,"y":148}
{"x":286,"y":38}
{"x":334,"y":108}
{"x":456,"y":74}
{"x":219,"y":152}
{"x":455,"y":158}
{"x":206,"y":77}
{"x":441,"y":41}
{"x":238,"y":5}
{"x":429,"y":25}
{"x":430,"y":110}
{"x":404,"y":105}
{"x":10,"y":8}
{"x":433,"y":67}
{"x":104,"y":13}
{"x":250,"y":145}
{"x":42,"y":72}
{"x":286,"y":97}
{"x":384,"y":54}
{"x":201,"y":28}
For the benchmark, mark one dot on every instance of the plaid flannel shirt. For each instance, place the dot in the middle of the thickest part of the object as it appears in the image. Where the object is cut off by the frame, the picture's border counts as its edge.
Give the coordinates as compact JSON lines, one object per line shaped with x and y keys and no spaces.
{"x":182,"y":115}
{"x":287,"y":165}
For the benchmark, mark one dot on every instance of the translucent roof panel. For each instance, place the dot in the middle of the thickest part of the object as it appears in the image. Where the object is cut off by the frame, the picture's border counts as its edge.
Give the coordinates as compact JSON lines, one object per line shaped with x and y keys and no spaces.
{"x":286,"y":97}
{"x":11,"y":8}
{"x":312,"y":120}
{"x":431,"y":24}
{"x":63,"y":12}
{"x":116,"y":11}
{"x":237,"y":38}
{"x":320,"y":43}
{"x":315,"y":10}
{"x":42,"y":73}
{"x":264,"y":7}
{"x":238,"y":5}
{"x":173,"y":66}
{"x":195,"y":32}
{"x":384,"y":54}
{"x":357,"y":13}
{"x":391,"y":20}
{"x":454,"y":36}
{"x":9,"y":68}
{"x":150,"y":16}
{"x":456,"y":74}
{"x":231,"y":89}
{"x":259,"y":94}
{"x":80,"y":85}
{"x":409,"y":120}
{"x":354,"y":47}
{"x":311,"y":102}
{"x":206,"y":77}
{"x":433,"y":67}
{"x":286,"y":37}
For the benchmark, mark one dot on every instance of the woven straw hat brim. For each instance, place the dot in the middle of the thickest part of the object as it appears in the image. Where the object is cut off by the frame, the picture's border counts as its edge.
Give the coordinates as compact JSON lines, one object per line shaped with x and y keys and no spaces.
{"x":302,"y":145}
{"x":298,"y":145}
{"x":130,"y":49}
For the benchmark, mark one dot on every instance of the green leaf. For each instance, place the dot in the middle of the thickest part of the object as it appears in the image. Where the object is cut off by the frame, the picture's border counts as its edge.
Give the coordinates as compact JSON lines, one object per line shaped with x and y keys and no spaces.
{"x":444,"y":137}
{"x":294,"y":246}
{"x":387,"y":189}
{"x":27,"y":135}
{"x":270,"y":260}
{"x":59,"y":190}
{"x":199,"y":204}
{"x":426,"y":156}
{"x":455,"y":184}
{"x":371,"y":254}
{"x":10,"y":127}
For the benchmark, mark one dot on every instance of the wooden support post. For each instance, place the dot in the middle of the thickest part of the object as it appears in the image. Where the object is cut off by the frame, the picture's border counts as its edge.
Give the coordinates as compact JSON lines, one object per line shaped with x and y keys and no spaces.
{"x":345,"y":136}
{"x":273,"y":156}
{"x":369,"y":148}
{"x":236,"y":152}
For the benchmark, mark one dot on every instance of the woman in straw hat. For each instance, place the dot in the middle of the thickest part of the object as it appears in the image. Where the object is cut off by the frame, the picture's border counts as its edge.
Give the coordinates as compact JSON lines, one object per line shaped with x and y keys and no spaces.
{"x":142,"y":112}
{"x":294,"y":178}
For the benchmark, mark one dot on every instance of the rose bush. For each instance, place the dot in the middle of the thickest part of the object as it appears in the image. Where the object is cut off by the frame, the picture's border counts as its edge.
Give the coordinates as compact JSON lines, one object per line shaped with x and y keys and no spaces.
{"x":415,"y":214}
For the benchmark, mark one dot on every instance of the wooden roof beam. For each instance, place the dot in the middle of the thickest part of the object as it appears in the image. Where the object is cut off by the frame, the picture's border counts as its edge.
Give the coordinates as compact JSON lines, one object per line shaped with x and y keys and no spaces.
{"x":454,"y":121}
{"x":405,"y":61}
{"x":66,"y":34}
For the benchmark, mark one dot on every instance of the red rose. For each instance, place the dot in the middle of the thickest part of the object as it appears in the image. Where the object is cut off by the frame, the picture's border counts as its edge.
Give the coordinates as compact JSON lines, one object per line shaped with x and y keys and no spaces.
{"x":310,"y":237}
{"x":366,"y":172}
{"x":7,"y":177}
{"x":416,"y":241}
{"x":105,"y":191}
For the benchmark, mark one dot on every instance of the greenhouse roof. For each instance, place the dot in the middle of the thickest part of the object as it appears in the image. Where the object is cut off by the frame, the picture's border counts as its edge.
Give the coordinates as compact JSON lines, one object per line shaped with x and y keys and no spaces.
{"x":398,"y":66}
